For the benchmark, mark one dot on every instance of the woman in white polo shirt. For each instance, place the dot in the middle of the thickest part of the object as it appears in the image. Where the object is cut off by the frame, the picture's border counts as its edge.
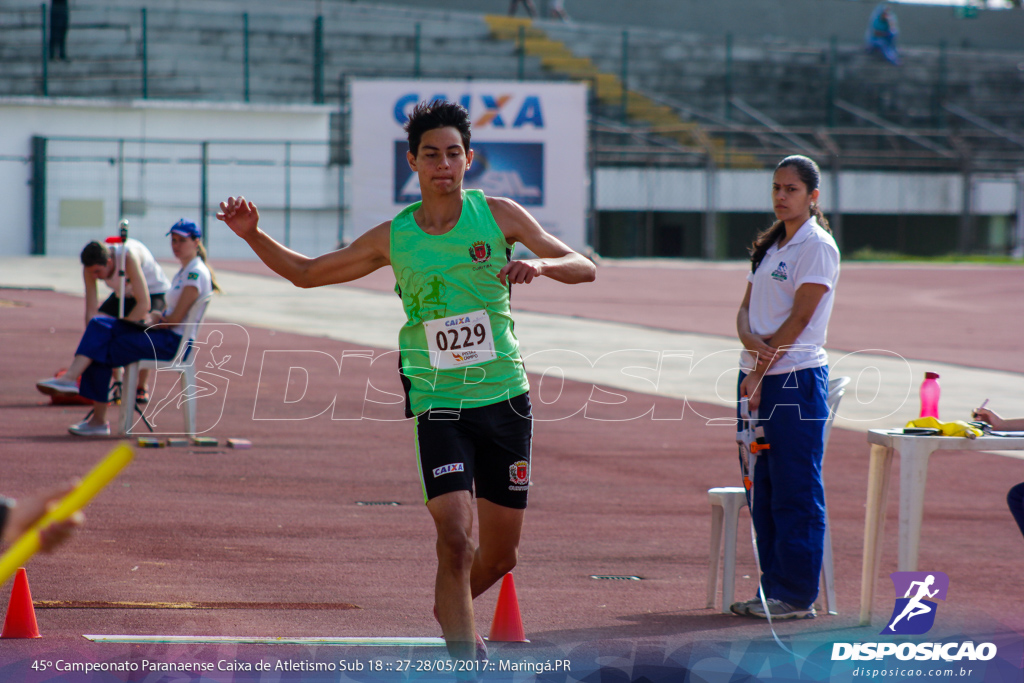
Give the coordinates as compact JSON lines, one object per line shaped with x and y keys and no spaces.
{"x":784,"y":372}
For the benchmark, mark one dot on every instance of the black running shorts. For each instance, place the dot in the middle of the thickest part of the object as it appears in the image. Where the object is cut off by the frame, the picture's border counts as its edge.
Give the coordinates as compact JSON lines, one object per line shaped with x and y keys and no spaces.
{"x":486,"y":449}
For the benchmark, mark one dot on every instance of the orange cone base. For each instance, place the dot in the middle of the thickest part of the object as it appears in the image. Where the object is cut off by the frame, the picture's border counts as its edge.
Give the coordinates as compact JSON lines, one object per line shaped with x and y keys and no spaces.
{"x":21,"y":615}
{"x":507,"y":626}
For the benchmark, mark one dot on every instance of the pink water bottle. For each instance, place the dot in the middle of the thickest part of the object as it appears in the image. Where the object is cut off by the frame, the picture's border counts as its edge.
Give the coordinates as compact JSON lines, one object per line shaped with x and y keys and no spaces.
{"x":930,"y":395}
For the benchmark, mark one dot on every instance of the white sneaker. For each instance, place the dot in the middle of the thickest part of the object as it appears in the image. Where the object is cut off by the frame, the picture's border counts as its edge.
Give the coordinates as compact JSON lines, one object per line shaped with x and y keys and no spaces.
{"x":782,"y":610}
{"x":56,"y":385}
{"x":743,"y":608}
{"x":83,"y":428}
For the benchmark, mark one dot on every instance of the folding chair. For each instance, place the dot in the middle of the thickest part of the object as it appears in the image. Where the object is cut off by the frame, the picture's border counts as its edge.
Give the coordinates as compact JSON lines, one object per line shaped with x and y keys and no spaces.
{"x":182,"y":363}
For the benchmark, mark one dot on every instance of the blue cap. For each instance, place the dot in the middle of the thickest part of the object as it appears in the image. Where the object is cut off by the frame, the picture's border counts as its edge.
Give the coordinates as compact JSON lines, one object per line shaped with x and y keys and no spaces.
{"x":186,"y":228}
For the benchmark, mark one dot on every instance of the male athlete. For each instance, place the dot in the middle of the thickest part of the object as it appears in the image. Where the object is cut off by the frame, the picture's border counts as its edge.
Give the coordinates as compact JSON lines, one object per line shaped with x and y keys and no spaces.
{"x":460,"y":364}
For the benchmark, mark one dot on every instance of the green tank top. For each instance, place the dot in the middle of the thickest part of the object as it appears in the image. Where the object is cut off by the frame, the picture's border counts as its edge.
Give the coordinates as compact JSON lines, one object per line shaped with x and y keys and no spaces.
{"x":458,"y":348}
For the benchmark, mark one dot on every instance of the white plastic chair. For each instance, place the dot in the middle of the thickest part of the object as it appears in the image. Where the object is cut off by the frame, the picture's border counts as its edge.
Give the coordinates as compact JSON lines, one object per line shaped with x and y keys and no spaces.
{"x":726,"y":503}
{"x":186,"y":368}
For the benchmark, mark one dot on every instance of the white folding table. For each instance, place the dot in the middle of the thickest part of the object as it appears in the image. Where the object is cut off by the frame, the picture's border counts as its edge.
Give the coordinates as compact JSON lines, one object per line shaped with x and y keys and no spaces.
{"x":914,"y":452}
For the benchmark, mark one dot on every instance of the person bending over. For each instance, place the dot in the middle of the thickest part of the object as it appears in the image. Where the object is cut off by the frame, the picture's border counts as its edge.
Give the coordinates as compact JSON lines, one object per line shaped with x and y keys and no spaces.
{"x":145,"y":289}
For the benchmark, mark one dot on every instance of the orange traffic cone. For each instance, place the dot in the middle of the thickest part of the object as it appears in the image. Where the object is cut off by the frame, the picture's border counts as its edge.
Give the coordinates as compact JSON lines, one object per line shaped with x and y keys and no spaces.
{"x":21,"y":615}
{"x":507,"y":626}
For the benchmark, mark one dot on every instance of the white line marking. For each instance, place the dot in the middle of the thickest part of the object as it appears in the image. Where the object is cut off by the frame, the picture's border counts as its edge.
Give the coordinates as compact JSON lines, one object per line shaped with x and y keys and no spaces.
{"x":188,"y":640}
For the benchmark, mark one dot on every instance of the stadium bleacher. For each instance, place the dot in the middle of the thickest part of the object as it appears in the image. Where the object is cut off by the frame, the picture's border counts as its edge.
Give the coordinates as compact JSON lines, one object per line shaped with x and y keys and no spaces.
{"x":684,"y":92}
{"x":692,"y":91}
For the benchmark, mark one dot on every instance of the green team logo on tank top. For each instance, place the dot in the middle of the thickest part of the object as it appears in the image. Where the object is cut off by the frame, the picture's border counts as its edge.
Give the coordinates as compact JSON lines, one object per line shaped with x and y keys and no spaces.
{"x":457,"y":346}
{"x":426,"y":296}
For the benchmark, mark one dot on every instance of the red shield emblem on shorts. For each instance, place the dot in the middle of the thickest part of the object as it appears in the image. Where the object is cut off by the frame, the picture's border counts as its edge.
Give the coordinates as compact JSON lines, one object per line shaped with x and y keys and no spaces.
{"x":519,"y":473}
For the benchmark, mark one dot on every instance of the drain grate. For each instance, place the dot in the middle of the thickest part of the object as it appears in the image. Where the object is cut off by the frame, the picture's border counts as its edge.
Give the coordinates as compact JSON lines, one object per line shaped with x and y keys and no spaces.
{"x":377,"y":502}
{"x":610,"y":577}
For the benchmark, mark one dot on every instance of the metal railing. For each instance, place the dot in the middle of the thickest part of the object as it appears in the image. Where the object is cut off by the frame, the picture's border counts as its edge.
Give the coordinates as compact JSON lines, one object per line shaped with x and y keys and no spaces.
{"x":151,"y":52}
{"x":84,"y":185}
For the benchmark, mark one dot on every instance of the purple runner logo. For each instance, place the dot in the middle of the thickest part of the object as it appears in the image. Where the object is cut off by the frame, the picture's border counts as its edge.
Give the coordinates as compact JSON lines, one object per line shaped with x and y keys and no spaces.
{"x":914,"y":613}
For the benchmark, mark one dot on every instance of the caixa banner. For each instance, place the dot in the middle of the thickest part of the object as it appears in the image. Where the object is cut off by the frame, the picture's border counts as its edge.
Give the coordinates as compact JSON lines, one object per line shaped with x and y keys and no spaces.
{"x":528,"y":141}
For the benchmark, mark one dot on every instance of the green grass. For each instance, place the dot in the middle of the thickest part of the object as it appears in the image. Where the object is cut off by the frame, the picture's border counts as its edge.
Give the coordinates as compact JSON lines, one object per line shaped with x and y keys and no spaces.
{"x":869,"y":254}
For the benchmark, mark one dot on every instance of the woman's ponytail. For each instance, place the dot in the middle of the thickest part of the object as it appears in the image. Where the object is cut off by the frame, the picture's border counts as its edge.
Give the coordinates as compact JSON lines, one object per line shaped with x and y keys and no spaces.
{"x":765,"y":239}
{"x":820,"y":218}
{"x":213,"y":277}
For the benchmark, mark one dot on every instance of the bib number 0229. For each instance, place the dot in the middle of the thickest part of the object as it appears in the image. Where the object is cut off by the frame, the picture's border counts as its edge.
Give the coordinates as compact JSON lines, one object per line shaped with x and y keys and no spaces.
{"x":449,"y":339}
{"x":460,"y":340}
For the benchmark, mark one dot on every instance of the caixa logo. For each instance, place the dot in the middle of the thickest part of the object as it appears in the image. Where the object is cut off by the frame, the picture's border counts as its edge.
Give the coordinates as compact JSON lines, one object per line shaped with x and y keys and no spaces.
{"x":495,"y":111}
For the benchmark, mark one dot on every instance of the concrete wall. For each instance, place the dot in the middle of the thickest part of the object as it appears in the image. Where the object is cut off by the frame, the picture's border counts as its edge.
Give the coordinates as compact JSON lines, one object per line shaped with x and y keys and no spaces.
{"x":166,"y":135}
{"x":87,"y":172}
{"x":860,"y":192}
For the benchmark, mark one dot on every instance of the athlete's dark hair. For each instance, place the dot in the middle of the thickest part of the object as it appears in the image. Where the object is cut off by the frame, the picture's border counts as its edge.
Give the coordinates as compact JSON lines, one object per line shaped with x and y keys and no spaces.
{"x":95,"y":254}
{"x":810,"y":175}
{"x":436,"y":114}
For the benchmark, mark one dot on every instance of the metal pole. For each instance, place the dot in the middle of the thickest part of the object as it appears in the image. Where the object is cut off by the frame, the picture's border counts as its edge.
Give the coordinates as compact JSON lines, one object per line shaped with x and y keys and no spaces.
{"x":203,"y":191}
{"x":727,"y":84}
{"x":416,"y":50}
{"x":593,"y":230}
{"x":120,"y":177}
{"x":710,"y":211}
{"x":833,"y":77}
{"x":145,"y":58}
{"x":1018,"y":247}
{"x":728,"y":76}
{"x":318,"y":60}
{"x":966,"y":208}
{"x":649,"y":233}
{"x":288,"y":194}
{"x":625,"y":76}
{"x":939,"y":116}
{"x":46,"y":52}
{"x":522,"y":52}
{"x":39,"y":196}
{"x":245,"y":51}
{"x":121,"y":252}
{"x":343,"y":96}
{"x":836,"y":219}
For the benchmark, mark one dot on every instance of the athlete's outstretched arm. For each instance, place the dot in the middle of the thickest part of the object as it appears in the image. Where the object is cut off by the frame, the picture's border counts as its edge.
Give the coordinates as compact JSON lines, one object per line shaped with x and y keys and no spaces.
{"x":366,"y":254}
{"x":554,"y":259}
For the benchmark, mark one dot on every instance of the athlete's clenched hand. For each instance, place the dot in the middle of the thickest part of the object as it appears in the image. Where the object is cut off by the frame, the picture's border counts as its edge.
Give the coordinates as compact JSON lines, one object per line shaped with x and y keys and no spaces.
{"x":520,"y":272}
